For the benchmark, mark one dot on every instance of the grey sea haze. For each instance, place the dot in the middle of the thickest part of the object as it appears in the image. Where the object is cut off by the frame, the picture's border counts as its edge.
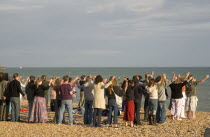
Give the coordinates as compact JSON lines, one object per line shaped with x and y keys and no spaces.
{"x":203,"y":90}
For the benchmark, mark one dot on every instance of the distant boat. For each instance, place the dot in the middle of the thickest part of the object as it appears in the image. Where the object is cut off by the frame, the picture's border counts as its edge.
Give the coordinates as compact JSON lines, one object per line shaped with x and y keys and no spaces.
{"x":21,"y":67}
{"x":2,"y":68}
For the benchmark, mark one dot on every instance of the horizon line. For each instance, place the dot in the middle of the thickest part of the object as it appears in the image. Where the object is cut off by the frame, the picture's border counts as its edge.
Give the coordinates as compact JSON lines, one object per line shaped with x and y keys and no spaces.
{"x":120,"y":67}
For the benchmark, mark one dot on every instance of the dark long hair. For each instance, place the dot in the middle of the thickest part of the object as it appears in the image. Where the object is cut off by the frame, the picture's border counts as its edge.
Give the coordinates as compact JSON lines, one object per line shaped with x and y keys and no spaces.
{"x":98,"y":79}
{"x":57,"y":84}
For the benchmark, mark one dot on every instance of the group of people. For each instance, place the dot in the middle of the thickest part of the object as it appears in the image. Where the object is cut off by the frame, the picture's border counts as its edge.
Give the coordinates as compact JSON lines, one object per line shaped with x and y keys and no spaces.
{"x":93,"y":90}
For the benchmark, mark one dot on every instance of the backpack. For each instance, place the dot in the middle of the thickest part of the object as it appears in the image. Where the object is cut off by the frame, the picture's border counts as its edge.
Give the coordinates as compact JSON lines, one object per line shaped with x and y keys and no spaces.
{"x":118,"y":99}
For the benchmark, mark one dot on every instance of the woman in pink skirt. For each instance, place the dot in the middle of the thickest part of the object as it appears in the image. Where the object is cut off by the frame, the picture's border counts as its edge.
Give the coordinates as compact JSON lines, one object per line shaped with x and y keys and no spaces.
{"x":39,"y":111}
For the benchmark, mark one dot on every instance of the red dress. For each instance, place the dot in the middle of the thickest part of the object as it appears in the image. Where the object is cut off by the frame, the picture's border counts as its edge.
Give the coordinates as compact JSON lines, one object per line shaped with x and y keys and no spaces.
{"x":129,"y":111}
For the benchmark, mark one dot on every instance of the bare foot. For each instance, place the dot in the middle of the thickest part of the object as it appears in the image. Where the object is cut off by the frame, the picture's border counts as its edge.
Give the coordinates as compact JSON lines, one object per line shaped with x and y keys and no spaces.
{"x":126,"y":124}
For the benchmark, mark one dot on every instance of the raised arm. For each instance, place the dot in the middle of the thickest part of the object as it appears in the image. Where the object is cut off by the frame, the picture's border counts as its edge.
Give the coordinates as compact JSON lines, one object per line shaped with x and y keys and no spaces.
{"x":152,"y":74}
{"x":201,"y":81}
{"x":79,"y":86}
{"x":187,"y":75}
{"x":75,"y":79}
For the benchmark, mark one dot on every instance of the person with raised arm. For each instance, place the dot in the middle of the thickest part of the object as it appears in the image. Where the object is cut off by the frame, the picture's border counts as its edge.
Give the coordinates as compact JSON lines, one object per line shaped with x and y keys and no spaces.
{"x":89,"y":96}
{"x":30,"y":92}
{"x":153,"y":101}
{"x":58,"y":99}
{"x":46,"y":92}
{"x":192,"y":99}
{"x":39,"y":110}
{"x":66,"y":93}
{"x":99,"y":99}
{"x":176,"y":96}
{"x":112,"y":91}
{"x":139,"y":91}
{"x":161,"y":83}
{"x":82,"y":97}
{"x":129,"y":106}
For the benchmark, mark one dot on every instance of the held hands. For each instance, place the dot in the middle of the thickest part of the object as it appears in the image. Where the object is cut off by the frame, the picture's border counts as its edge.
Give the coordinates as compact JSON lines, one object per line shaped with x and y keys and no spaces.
{"x":207,"y":76}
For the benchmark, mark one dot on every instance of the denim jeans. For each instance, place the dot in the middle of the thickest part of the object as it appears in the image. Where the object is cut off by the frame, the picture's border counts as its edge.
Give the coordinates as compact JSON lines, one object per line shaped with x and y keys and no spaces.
{"x":88,"y":116}
{"x":66,"y":104}
{"x":112,"y":106}
{"x":161,"y":112}
{"x":15,"y":104}
{"x":97,"y":117}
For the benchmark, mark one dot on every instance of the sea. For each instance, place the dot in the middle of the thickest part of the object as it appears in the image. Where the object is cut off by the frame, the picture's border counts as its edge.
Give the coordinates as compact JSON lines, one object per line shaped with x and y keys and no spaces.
{"x":203,"y":90}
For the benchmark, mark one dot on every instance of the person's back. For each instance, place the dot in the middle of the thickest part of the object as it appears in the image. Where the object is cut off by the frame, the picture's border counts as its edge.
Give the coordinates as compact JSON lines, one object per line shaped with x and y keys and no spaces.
{"x":14,"y":91}
{"x":3,"y":86}
{"x":15,"y":88}
{"x":153,"y":92}
{"x":162,"y":93}
{"x":46,"y":92}
{"x":66,"y":100}
{"x":30,"y":90}
{"x":130,"y":94}
{"x":176,"y":90}
{"x":88,"y":91}
{"x":65,"y":89}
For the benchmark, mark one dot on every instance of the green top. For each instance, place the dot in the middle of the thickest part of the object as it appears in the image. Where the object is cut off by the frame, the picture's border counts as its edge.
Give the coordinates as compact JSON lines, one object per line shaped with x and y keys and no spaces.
{"x":46,"y":84}
{"x":191,"y":88}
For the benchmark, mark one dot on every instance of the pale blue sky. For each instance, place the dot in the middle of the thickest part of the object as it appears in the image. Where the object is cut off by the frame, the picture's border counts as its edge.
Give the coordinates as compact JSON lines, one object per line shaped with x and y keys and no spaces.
{"x":104,"y":33}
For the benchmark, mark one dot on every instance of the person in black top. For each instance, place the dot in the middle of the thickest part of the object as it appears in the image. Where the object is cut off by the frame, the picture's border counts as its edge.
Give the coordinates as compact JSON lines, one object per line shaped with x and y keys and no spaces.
{"x":129,"y":107}
{"x":138,"y":92}
{"x":176,"y":95}
{"x":124,"y":97}
{"x":14,"y":93}
{"x":111,"y":91}
{"x":30,"y":91}
{"x":39,"y":110}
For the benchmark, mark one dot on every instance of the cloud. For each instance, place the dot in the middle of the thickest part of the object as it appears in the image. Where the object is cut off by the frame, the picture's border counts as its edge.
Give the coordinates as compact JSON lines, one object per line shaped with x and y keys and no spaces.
{"x":139,"y":6}
{"x":10,"y":7}
{"x":101,"y":28}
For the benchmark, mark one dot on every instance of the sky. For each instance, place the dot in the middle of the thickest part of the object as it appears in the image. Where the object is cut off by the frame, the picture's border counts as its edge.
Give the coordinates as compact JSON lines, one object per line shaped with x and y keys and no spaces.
{"x":105,"y":33}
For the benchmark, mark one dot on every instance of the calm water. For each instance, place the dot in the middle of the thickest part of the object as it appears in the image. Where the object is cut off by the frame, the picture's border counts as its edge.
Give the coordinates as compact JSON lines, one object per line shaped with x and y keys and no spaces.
{"x":203,"y":90}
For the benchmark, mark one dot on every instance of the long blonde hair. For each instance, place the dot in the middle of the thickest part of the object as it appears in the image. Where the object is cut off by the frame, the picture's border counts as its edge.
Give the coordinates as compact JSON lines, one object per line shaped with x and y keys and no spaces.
{"x":114,"y":83}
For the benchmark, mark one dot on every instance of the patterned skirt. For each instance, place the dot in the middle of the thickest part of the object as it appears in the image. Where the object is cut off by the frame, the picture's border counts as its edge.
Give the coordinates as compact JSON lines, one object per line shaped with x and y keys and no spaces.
{"x":129,"y":111}
{"x":39,"y":111}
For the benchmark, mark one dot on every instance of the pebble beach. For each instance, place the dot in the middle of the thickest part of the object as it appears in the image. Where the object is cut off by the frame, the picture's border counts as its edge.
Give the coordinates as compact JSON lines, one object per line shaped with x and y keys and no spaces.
{"x":184,"y":128}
